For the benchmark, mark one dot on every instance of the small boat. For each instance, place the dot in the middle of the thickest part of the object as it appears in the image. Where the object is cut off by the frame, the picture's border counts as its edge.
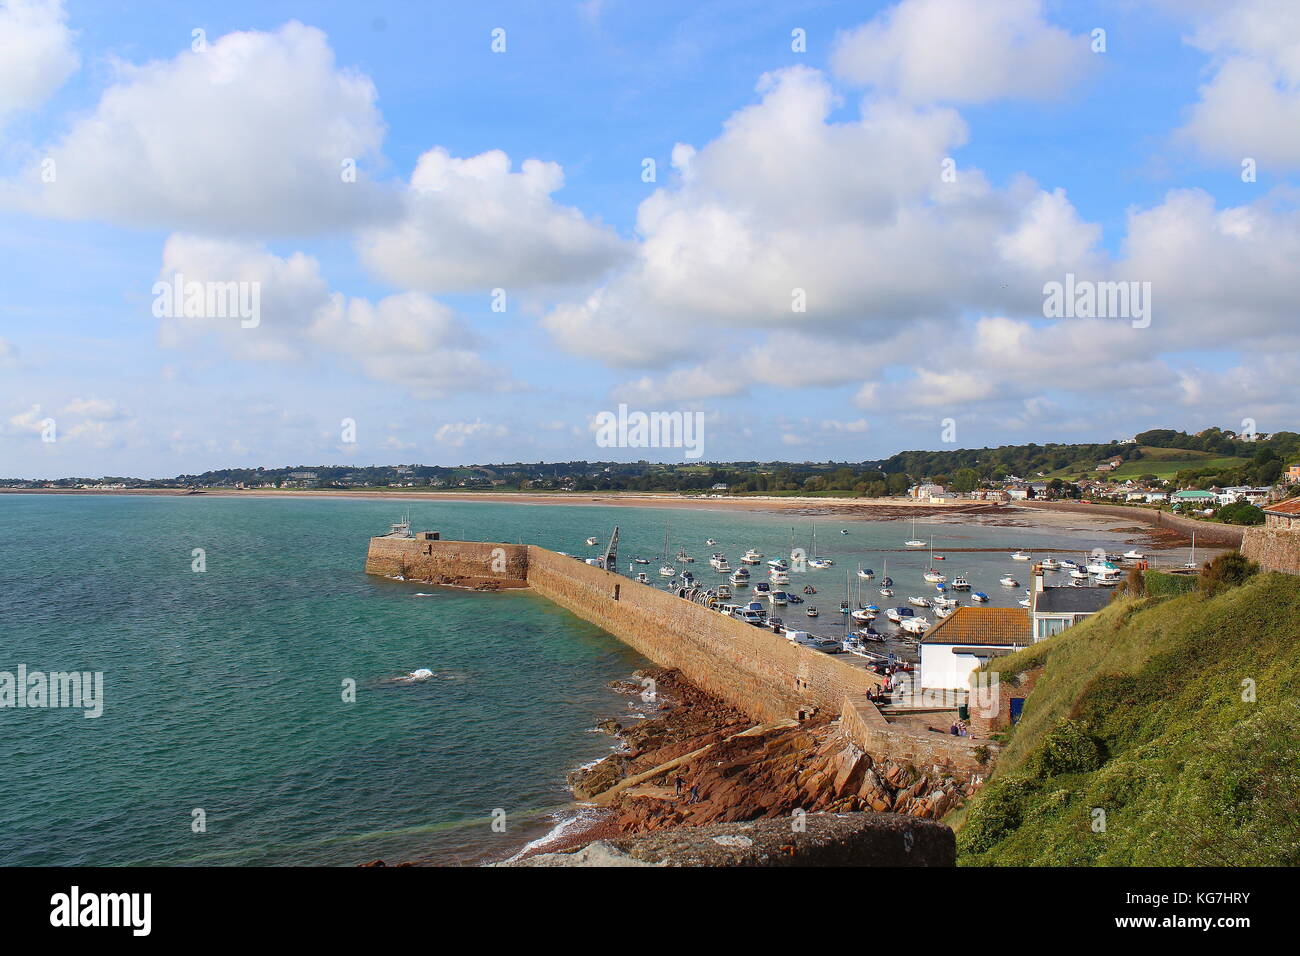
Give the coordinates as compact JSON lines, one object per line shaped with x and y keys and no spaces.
{"x":943,"y":612}
{"x":914,"y":625}
{"x":641,"y":560}
{"x":1134,"y":555}
{"x":740,"y":578}
{"x":959,"y":583}
{"x":778,"y":598}
{"x":1079,"y":574}
{"x":1021,"y":556}
{"x":939,"y":557}
{"x":809,"y":589}
{"x":914,"y":543}
{"x":643,"y":577}
{"x":820,"y":564}
{"x":1007,"y":581}
{"x":811,"y":612}
{"x":865,"y":573}
{"x":1047,"y":564}
{"x":919,"y":601}
{"x":762,"y":587}
{"x":668,"y":571}
{"x":863,"y":616}
{"x":779,"y":577}
{"x":980,"y":596}
{"x":752,"y":557}
{"x":934,"y":577}
{"x":723,"y":592}
{"x":591,"y":542}
{"x":710,"y":542}
{"x":684,"y":557}
{"x":897,"y":614}
{"x":886,"y":592}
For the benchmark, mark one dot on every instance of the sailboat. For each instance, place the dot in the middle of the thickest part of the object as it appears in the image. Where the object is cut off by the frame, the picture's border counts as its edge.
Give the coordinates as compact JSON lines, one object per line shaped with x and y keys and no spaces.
{"x":666,"y":569}
{"x":814,"y":561}
{"x":1191,"y":565}
{"x":915,"y":542}
{"x":931,"y":575}
{"x":886,"y":583}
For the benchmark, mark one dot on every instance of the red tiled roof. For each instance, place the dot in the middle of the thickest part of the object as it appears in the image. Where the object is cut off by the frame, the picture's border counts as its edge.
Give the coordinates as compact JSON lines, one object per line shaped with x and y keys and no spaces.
{"x":1288,"y":507}
{"x":982,"y":625}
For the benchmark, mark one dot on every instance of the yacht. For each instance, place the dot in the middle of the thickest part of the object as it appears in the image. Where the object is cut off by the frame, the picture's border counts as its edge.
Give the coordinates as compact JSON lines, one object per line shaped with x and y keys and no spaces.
{"x":980,"y":596}
{"x":1100,"y":567}
{"x":934,"y":577}
{"x":779,"y":564}
{"x":752,"y":556}
{"x":914,"y":543}
{"x":959,"y":583}
{"x":740,"y":578}
{"x":820,"y":564}
{"x":719,"y":563}
{"x":1191,"y":565}
{"x":1007,"y":581}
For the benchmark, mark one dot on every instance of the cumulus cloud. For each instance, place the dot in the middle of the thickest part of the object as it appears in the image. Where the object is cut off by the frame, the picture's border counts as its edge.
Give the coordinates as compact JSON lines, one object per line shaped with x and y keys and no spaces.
{"x":456,"y":434}
{"x":1250,"y":107}
{"x":854,"y":218}
{"x":408,"y":338}
{"x":962,"y":51}
{"x":473,"y":223}
{"x":36,"y":53}
{"x":248,"y":136}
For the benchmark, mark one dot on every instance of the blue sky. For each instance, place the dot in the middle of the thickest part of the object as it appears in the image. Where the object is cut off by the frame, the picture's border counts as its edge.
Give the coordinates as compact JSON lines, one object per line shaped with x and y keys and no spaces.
{"x":821,"y":170}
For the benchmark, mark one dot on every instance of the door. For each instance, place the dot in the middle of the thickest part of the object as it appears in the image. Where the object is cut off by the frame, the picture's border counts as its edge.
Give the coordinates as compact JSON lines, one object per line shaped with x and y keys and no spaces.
{"x":1017,"y":705}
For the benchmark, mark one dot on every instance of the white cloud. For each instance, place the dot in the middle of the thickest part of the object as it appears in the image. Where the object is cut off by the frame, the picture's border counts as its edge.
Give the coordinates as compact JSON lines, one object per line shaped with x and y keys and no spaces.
{"x":36,"y":53}
{"x":1250,"y":107}
{"x":962,"y":51}
{"x":456,"y":434}
{"x":409,"y":338}
{"x":473,"y":224}
{"x":247,"y":137}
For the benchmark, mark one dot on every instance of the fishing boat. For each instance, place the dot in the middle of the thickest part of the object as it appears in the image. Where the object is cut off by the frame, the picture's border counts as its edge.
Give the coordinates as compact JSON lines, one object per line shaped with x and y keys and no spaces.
{"x":1007,"y":581}
{"x":959,"y":583}
{"x":914,"y":543}
{"x":980,"y":596}
{"x":811,"y":612}
{"x":919,"y":601}
{"x":752,"y":557}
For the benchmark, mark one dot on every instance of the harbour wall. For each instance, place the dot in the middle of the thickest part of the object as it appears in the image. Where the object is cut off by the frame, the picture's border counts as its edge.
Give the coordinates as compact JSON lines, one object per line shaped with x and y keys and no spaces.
{"x":1276,"y":549}
{"x":753,"y":669}
{"x":1207,"y":532}
{"x":862,"y":722}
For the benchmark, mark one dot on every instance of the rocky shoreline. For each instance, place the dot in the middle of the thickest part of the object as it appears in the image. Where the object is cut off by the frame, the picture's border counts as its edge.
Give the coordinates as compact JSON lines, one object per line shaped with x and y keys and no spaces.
{"x":699,"y":762}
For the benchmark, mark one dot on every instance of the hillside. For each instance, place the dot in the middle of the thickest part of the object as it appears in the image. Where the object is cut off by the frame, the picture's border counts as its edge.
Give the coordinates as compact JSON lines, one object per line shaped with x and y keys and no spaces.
{"x":1140,"y":713}
{"x":1161,"y":462}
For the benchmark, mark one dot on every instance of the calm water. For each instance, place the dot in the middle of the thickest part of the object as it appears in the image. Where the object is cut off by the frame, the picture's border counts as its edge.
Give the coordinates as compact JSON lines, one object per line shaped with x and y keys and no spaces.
{"x":223,"y":689}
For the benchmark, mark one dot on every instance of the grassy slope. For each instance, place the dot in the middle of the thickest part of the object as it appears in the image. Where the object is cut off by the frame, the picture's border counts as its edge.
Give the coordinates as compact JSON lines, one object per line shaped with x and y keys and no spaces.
{"x":1161,"y":462}
{"x":1187,"y":773}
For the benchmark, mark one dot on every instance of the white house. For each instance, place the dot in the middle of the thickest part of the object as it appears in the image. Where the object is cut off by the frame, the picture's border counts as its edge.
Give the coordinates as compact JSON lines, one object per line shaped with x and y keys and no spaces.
{"x":964,"y":641}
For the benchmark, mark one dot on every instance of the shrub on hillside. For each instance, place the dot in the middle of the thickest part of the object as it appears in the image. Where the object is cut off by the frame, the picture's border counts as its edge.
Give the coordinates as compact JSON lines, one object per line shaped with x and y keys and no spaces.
{"x":996,"y":815}
{"x":1068,"y":748}
{"x":1228,"y":570}
{"x":1240,"y":512}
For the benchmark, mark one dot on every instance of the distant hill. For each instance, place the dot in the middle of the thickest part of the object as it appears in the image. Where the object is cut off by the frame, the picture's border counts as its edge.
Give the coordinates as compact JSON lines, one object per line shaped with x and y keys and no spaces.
{"x":1140,"y":713}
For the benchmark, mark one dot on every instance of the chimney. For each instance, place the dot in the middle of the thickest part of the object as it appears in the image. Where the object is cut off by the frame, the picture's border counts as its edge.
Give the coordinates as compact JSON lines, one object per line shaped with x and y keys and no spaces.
{"x":1038,"y":579}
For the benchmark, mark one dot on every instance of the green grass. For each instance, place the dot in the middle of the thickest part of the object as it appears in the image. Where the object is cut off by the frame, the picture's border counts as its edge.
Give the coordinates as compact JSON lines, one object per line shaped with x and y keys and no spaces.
{"x":1161,"y":462}
{"x":1140,"y":713}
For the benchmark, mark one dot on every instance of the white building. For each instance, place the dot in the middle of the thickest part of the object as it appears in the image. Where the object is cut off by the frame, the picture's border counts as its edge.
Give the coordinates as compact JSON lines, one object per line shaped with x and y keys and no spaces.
{"x":964,"y":641}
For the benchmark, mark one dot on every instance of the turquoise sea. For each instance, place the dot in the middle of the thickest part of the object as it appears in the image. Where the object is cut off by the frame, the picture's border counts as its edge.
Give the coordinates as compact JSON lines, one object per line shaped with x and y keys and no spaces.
{"x":223,"y":690}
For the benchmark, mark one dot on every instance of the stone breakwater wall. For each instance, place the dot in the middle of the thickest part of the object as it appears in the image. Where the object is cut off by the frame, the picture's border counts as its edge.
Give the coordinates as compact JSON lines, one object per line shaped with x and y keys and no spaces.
{"x":863,"y":724}
{"x":751,"y":668}
{"x":1207,"y":532}
{"x":1276,"y":549}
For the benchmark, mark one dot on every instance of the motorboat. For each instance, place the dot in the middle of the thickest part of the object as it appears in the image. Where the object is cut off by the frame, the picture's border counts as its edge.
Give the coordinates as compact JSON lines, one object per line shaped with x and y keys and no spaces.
{"x":779,"y":598}
{"x":845,"y":607}
{"x":720,"y":564}
{"x":793,"y":598}
{"x":919,"y":601}
{"x":723,"y":592}
{"x":739,"y":578}
{"x":980,"y":596}
{"x":762,"y":587}
{"x":934,"y":577}
{"x":844,"y":530}
{"x":752,"y":556}
{"x":914,"y":625}
{"x":863,"y":616}
{"x":959,"y":583}
{"x":780,"y":564}
{"x":865,"y":574}
{"x":643,"y":577}
{"x":1101,"y":567}
{"x":886,"y":592}
{"x":944,"y":602}
{"x":668,"y":571}
{"x":897,"y":614}
{"x":779,"y":577}
{"x":640,"y":560}
{"x":591,"y":542}
{"x":684,"y":557}
{"x":710,"y":542}
{"x":1048,"y":564}
{"x":820,"y":564}
{"x":1078,"y":574}
{"x":1007,"y":581}
{"x":943,"y":612}
{"x":853,"y":644}
{"x":1024,"y":602}
{"x":1068,"y":565}
{"x":1110,"y":578}
{"x":1134,"y":555}
{"x":811,"y":612}
{"x":1022,"y":556}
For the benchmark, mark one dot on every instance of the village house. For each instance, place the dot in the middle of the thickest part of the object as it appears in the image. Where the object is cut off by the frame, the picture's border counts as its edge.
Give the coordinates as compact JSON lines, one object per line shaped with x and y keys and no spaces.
{"x":1293,"y":473}
{"x":1194,"y":499}
{"x":1110,"y":464}
{"x":1055,"y":609}
{"x":970,"y":637}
